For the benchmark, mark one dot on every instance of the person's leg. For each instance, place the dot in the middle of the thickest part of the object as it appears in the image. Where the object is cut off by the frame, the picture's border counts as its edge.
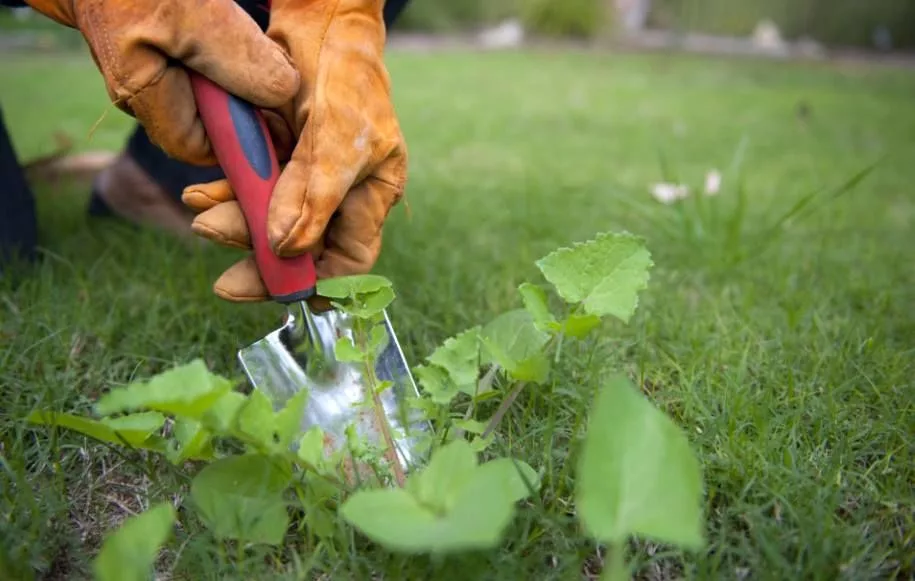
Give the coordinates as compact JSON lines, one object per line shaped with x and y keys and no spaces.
{"x":145,"y":185}
{"x":18,"y":221}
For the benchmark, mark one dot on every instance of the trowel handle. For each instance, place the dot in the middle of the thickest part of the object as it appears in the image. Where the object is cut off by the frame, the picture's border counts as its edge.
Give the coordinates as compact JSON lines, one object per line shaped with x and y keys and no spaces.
{"x":245,"y":152}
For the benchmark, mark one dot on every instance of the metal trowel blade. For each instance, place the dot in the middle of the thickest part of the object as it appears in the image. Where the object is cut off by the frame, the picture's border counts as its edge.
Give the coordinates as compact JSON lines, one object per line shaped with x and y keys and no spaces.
{"x":300,"y":355}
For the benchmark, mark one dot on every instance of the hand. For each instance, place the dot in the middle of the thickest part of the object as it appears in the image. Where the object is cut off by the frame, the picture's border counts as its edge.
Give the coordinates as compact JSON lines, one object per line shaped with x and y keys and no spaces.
{"x":346,"y":158}
{"x":142,"y":48}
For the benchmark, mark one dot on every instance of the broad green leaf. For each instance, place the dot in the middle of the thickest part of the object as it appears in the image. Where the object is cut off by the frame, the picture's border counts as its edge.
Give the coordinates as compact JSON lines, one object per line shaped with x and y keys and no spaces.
{"x":129,"y":553}
{"x":393,"y":518}
{"x":437,"y":486}
{"x":344,"y":350}
{"x":288,"y":421}
{"x":190,"y":441}
{"x":605,"y":274}
{"x":508,"y":478}
{"x":515,"y":343}
{"x":637,"y":474}
{"x":577,"y":326}
{"x":221,"y":417}
{"x":274,"y":432}
{"x":366,"y":306}
{"x":479,"y":443}
{"x":311,"y":448}
{"x":345,"y":287}
{"x":480,"y":505}
{"x":535,"y":302}
{"x":138,"y":433}
{"x":435,"y":381}
{"x":255,"y":419}
{"x":241,"y":498}
{"x":321,"y":521}
{"x":472,"y":426}
{"x":187,"y":390}
{"x":143,"y":422}
{"x":460,"y":357}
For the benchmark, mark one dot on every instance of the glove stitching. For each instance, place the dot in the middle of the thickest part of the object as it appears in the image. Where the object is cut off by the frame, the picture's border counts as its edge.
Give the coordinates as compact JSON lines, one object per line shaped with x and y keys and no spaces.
{"x":311,"y":121}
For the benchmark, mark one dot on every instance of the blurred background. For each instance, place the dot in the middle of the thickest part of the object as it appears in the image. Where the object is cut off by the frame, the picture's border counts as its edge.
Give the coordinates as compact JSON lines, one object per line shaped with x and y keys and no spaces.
{"x":769,"y":24}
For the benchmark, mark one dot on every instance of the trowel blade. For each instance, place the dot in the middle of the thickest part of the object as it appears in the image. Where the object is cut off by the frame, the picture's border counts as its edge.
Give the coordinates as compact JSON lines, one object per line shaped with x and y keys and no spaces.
{"x":300,"y":355}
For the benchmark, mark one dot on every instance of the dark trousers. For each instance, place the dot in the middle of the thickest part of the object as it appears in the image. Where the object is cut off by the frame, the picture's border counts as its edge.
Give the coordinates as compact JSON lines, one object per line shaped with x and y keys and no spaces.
{"x":17,"y":206}
{"x":18,"y":225}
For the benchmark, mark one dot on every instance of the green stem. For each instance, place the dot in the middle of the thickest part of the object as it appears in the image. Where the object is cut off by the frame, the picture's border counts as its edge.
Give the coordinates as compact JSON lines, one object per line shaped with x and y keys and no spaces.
{"x":377,"y":407}
{"x":503,"y":409}
{"x":615,"y":567}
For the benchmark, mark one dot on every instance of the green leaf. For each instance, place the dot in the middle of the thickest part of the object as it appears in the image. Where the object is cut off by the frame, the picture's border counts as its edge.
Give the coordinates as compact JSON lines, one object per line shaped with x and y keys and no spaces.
{"x":187,"y":390}
{"x":273,"y":432}
{"x":129,"y":553}
{"x":479,"y":443}
{"x":288,"y":421}
{"x":143,"y":422}
{"x":453,"y":505}
{"x":605,"y":274}
{"x":436,"y":382}
{"x":514,"y":342}
{"x":535,"y":302}
{"x":577,"y":326}
{"x":311,"y":448}
{"x":221,"y":417}
{"x":460,"y":357}
{"x":136,"y":429}
{"x":241,"y":498}
{"x":367,"y":306}
{"x":344,"y":350}
{"x":190,"y":441}
{"x":637,"y":474}
{"x":509,"y":478}
{"x":393,"y":518}
{"x":448,"y":471}
{"x":347,"y":287}
{"x":255,"y":419}
{"x":378,"y":340}
{"x":472,"y":426}
{"x":383,"y":386}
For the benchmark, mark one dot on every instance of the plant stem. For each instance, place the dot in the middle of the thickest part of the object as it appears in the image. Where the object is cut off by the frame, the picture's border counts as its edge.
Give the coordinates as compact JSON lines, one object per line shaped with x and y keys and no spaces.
{"x":503,"y":409}
{"x":378,"y":409}
{"x":615,"y":567}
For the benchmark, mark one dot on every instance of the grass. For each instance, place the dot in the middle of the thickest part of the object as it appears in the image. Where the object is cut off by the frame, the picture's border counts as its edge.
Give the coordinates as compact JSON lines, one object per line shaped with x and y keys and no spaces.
{"x":785,"y":354}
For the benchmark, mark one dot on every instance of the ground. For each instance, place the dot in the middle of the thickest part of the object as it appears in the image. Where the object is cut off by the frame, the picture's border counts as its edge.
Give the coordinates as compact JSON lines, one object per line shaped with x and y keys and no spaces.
{"x":783,"y":349}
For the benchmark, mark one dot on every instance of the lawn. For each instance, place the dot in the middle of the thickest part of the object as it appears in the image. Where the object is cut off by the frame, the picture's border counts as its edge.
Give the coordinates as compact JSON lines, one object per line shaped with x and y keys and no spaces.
{"x":782,"y":348}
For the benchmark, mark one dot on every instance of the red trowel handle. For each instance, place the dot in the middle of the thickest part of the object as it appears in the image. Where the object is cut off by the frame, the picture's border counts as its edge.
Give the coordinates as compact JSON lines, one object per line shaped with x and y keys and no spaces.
{"x":245,"y":153}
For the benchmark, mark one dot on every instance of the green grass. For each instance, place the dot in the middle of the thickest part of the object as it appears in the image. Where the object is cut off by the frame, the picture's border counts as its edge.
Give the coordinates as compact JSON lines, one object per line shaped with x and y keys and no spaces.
{"x":785,"y":355}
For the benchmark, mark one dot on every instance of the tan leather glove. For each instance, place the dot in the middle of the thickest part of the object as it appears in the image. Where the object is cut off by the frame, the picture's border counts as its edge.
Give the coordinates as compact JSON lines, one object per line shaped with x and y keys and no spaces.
{"x":142,"y":48}
{"x":347,"y":161}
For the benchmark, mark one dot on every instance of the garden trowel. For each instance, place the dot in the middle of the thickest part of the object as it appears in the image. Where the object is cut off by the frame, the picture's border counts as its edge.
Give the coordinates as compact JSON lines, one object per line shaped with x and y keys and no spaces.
{"x":300,"y":354}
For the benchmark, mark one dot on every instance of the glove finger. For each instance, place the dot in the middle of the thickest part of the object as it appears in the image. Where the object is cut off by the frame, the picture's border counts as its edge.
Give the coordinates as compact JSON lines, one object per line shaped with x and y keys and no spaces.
{"x":353,"y":238}
{"x":223,"y":43}
{"x":282,"y":135}
{"x":311,"y":187}
{"x":167,"y":112}
{"x":223,"y":224}
{"x":241,"y":283}
{"x":201,"y":197}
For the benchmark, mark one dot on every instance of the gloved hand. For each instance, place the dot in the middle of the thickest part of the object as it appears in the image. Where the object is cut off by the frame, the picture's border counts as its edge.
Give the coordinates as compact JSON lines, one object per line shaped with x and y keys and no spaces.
{"x":347,"y":161}
{"x":142,"y":48}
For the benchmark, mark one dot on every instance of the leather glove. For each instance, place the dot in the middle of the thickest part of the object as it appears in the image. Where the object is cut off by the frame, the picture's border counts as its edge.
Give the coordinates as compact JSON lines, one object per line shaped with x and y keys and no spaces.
{"x":142,"y":48}
{"x":346,"y":158}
